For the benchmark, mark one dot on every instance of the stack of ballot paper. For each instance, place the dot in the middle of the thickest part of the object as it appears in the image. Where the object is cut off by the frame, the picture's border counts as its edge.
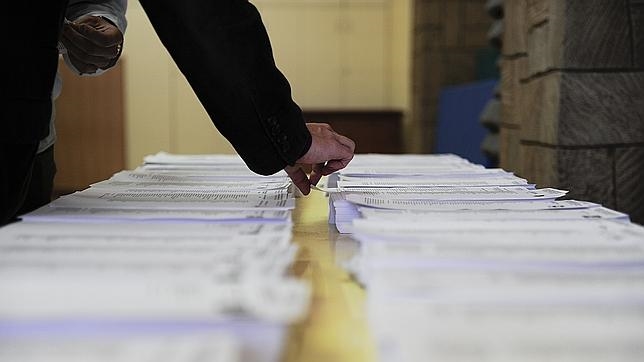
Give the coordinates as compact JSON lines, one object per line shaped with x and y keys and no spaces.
{"x":444,"y":186}
{"x":463,"y":263}
{"x":183,"y":259}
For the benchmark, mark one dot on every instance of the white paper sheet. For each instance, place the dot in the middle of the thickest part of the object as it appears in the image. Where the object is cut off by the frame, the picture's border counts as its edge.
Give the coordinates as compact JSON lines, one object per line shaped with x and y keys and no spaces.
{"x":182,"y":244}
{"x":510,"y":243}
{"x":357,"y":183}
{"x":401,"y":204}
{"x":78,"y":214}
{"x":205,"y":171}
{"x":226,"y":250}
{"x":418,"y":332}
{"x":129,"y":347}
{"x":144,"y":298}
{"x":223,"y":186}
{"x":193,"y":159}
{"x":461,"y":172}
{"x":192,"y":200}
{"x":183,"y":177}
{"x":465,"y":193}
{"x":593,"y":213}
{"x":502,"y":284}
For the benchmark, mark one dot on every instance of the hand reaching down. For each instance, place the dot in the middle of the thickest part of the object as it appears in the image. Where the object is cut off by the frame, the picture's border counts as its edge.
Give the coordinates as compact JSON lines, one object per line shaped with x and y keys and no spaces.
{"x":329,"y":152}
{"x":92,"y":43}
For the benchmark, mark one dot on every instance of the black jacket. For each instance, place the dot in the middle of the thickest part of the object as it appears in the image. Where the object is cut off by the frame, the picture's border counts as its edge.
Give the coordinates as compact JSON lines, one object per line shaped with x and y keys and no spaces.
{"x":30,"y":55}
{"x":222,"y":48}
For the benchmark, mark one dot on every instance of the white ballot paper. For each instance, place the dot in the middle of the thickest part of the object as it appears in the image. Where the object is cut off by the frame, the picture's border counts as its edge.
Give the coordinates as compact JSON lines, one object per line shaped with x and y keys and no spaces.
{"x":495,"y":193}
{"x":384,"y":159}
{"x":348,"y":184}
{"x":185,"y":258}
{"x":462,"y":263}
{"x":125,"y":347}
{"x":492,"y":283}
{"x":184,"y":177}
{"x":579,"y":246}
{"x":194,"y":200}
{"x":411,"y":227}
{"x":415,"y":331}
{"x":144,"y":298}
{"x":78,"y":214}
{"x":207,"y":172}
{"x":165,"y":158}
{"x":402,"y":204}
{"x":594,"y":213}
{"x":436,"y":172}
{"x":198,"y":250}
{"x":222,"y":186}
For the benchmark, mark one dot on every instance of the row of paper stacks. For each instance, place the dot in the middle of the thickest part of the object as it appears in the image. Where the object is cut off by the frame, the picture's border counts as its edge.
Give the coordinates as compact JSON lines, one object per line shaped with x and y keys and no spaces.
{"x":184,"y":258}
{"x":464,"y":263}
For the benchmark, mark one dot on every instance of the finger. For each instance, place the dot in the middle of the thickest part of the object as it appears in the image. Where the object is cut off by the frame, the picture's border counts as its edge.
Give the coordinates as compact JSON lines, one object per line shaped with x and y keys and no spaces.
{"x":299,"y":178}
{"x":316,"y":173}
{"x":335,"y":165}
{"x":81,"y":66}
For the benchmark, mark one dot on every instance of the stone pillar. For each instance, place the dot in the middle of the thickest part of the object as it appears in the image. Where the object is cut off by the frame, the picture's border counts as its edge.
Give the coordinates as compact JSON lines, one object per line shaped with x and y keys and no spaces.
{"x":573,"y":98}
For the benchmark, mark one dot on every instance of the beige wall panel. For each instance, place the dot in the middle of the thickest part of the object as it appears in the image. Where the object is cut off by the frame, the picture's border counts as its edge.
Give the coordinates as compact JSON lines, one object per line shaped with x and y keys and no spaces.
{"x":363,"y":57}
{"x":192,"y":131}
{"x":343,"y":54}
{"x":399,"y":60}
{"x":147,"y":93}
{"x":318,"y":83}
{"x":282,"y":24}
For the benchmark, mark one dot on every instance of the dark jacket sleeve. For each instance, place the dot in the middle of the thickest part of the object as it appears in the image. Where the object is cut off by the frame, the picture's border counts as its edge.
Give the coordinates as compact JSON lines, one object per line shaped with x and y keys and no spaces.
{"x":222,"y":48}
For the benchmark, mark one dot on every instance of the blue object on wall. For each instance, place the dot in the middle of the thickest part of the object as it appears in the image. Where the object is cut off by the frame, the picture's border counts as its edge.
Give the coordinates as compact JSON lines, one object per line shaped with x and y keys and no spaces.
{"x":459,"y":130}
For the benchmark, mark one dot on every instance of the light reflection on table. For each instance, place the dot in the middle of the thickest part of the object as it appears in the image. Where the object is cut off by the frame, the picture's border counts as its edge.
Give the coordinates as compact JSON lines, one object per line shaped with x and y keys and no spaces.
{"x":336,"y":327}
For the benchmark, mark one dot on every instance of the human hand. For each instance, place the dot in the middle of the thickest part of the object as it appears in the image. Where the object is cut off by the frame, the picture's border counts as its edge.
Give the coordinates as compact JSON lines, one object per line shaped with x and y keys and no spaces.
{"x":92,"y":43}
{"x":329,"y":152}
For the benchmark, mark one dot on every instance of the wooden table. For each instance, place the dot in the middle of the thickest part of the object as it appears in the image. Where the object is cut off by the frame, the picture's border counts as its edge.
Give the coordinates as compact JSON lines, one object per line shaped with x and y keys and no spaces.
{"x":336,"y":327}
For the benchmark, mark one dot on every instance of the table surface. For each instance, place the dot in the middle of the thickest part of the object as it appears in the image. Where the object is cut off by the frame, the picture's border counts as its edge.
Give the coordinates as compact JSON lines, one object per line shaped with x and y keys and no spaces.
{"x":336,"y":327}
